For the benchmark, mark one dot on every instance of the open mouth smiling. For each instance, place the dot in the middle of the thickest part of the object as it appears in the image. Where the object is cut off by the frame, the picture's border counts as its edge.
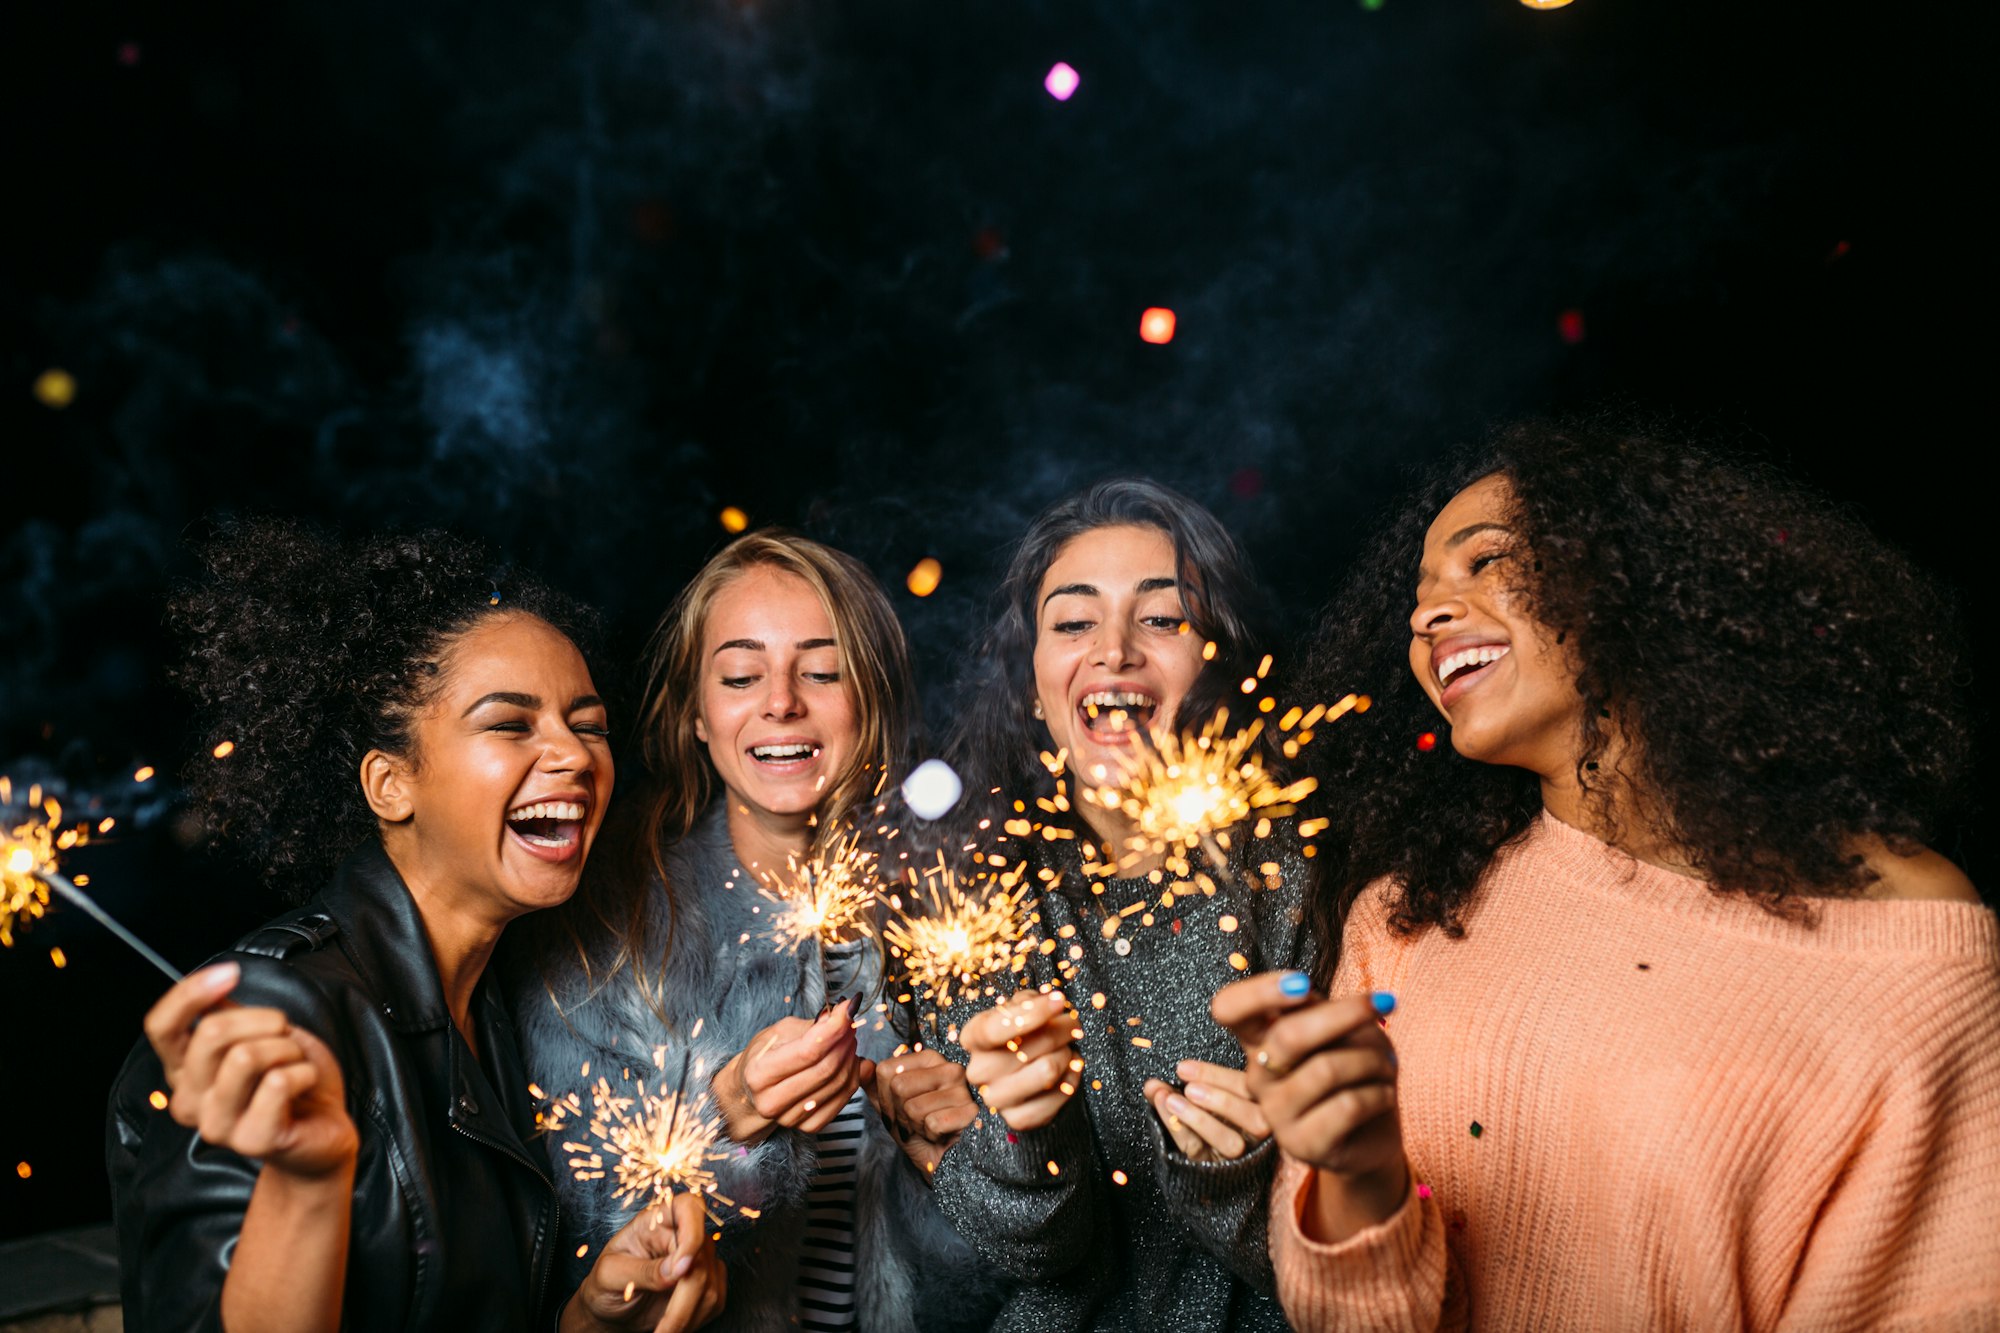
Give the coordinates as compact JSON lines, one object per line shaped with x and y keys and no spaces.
{"x":1459,"y":669}
{"x":785,"y":754}
{"x":1113,"y":714}
{"x":549,"y":830}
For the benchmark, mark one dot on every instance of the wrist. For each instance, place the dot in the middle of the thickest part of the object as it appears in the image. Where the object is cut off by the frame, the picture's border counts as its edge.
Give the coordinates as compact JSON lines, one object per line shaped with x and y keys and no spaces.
{"x":328,"y":1188}
{"x":1342,"y":1203}
{"x":740,"y":1119}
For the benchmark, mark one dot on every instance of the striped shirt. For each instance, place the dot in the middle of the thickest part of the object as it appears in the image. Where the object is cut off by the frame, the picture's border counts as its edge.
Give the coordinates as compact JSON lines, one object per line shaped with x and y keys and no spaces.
{"x":826,"y":1264}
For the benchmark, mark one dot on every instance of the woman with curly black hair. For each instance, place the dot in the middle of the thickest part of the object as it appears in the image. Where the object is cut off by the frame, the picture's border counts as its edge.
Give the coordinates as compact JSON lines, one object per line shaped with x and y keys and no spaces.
{"x":343,"y":1145}
{"x":1691,"y":1030}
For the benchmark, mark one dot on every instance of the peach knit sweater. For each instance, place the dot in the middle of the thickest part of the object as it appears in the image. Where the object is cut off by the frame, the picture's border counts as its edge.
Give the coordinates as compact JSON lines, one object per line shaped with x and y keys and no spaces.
{"x":1633,"y":1103}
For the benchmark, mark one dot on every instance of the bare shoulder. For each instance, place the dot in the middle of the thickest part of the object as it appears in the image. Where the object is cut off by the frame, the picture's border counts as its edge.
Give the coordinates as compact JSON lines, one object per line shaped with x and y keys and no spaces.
{"x":1922,"y":876}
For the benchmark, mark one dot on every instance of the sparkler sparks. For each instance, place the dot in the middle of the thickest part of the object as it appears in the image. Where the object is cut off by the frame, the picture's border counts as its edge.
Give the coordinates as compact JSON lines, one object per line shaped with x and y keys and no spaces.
{"x":953,"y":941}
{"x":650,"y":1144}
{"x":826,"y":897}
{"x":28,"y":873}
{"x":1187,"y":791}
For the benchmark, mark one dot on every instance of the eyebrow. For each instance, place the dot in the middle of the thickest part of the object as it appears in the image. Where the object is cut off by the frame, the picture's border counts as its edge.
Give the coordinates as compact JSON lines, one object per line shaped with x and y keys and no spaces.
{"x":1090,"y":589}
{"x":757,"y":645}
{"x":529,"y":701}
{"x":1458,"y":538}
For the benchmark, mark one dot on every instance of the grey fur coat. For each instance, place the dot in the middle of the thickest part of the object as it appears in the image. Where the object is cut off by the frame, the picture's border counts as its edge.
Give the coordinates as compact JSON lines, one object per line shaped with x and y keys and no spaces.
{"x":913,"y":1272}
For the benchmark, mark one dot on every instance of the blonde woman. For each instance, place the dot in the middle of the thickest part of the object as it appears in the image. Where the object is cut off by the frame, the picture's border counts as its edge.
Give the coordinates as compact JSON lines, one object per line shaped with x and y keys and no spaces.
{"x":780,"y":694}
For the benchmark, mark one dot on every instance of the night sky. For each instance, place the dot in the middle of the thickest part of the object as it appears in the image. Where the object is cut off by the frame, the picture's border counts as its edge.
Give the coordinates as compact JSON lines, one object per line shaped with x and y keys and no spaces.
{"x":573,"y":277}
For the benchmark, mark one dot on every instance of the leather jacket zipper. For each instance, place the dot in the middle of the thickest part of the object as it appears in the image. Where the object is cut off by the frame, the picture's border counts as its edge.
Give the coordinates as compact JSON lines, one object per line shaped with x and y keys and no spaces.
{"x":547,"y":1256}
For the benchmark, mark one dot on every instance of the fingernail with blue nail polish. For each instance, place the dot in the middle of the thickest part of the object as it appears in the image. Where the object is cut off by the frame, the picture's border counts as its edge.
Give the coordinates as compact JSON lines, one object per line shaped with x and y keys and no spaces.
{"x":1294,"y":984}
{"x":1384,"y":1002}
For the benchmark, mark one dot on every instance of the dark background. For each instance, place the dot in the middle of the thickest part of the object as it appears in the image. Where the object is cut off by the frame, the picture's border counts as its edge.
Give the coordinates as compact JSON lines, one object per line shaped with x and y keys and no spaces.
{"x":573,"y":276}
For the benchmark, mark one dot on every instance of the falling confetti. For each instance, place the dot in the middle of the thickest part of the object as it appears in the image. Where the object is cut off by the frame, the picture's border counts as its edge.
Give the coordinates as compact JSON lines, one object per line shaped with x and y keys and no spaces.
{"x":1157,"y":325}
{"x":1062,"y":81}
{"x":923,"y":579}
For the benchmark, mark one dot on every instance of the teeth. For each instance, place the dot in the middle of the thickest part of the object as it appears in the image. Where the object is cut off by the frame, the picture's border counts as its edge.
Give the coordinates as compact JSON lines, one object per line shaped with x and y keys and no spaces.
{"x":1119,"y":699}
{"x":559,"y":810}
{"x":784,"y":751}
{"x":1466,"y":657}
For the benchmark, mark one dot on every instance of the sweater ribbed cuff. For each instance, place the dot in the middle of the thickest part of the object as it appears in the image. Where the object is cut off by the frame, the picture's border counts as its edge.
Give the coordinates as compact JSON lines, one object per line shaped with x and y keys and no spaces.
{"x":1389,"y":1276}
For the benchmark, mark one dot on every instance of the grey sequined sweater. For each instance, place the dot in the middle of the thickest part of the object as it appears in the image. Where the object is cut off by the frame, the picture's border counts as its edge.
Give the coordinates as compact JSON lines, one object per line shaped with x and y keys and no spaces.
{"x":1125,"y":1232}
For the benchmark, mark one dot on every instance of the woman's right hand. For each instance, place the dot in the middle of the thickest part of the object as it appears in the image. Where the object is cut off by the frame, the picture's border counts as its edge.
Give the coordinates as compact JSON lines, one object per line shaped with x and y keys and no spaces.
{"x":793,"y":1075}
{"x":249,"y":1080}
{"x":1022,"y":1057}
{"x":1324,"y":1074}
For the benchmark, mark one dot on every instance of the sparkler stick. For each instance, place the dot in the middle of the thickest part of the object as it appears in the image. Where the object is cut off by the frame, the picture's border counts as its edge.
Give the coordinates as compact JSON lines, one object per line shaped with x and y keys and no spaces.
{"x":62,"y":885}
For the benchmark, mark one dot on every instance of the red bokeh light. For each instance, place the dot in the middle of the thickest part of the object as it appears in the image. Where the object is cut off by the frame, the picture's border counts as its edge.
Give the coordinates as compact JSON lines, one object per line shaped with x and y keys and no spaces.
{"x":1427,"y":741}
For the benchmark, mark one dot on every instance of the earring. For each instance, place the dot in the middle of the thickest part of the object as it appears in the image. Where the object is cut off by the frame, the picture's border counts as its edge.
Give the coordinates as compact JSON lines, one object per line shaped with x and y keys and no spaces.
{"x":1038,"y":710}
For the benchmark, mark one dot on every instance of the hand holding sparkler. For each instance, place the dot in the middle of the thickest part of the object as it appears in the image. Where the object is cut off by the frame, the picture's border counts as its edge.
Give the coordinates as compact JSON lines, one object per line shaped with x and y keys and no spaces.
{"x":659,"y":1273}
{"x":1323,"y":1072}
{"x":1211,"y":1116}
{"x":792,"y":1075}
{"x":926,"y":1102}
{"x":249,"y":1080}
{"x":1023,"y":1058}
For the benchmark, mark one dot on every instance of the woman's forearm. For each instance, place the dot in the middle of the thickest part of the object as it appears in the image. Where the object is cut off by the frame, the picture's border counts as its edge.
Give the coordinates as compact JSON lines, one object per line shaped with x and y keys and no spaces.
{"x":290,"y":1265}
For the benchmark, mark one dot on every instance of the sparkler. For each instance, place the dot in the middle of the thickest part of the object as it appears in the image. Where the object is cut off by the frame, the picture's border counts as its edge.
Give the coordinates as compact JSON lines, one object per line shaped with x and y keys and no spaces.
{"x":28,"y":872}
{"x":955,"y":940}
{"x":649,"y":1143}
{"x":1189,"y":791}
{"x":827,"y":896}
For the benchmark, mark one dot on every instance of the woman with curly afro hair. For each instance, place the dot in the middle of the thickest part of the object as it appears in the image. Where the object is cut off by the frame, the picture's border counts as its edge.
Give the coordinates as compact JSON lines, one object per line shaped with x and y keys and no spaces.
{"x":1691,"y":1029}
{"x":326,"y":1126}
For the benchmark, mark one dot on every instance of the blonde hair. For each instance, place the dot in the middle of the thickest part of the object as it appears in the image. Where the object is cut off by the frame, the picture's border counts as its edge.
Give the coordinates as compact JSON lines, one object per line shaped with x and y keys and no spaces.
{"x":874,"y":671}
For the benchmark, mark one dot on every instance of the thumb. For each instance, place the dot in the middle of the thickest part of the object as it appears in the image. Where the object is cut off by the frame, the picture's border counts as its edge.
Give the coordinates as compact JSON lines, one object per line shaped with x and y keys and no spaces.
{"x":867,"y":1072}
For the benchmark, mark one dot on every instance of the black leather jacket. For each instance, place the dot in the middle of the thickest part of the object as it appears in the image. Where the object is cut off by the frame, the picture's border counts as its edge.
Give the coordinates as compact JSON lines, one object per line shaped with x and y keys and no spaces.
{"x":455,"y":1220}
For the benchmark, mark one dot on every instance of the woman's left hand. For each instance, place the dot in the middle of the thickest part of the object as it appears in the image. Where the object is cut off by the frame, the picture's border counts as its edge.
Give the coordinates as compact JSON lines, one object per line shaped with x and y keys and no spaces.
{"x":926,"y":1101}
{"x":1212,"y":1118}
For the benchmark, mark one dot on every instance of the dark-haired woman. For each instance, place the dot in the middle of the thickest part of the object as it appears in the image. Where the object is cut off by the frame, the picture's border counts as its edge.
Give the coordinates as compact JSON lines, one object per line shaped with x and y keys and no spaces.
{"x":1120,"y":1172}
{"x":343,"y":1142}
{"x":1690,"y":1029}
{"x":780,"y":694}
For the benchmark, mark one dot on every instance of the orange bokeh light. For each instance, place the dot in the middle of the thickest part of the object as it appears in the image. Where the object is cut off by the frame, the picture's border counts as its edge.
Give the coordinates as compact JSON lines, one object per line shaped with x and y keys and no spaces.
{"x":924,"y":579}
{"x":1157,"y":325}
